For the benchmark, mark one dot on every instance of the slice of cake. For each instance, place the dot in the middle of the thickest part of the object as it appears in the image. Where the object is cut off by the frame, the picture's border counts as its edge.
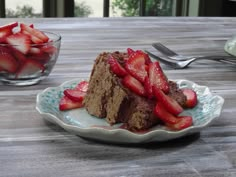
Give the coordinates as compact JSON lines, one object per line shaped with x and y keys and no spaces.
{"x":108,"y":98}
{"x":131,"y":89}
{"x":114,"y":94}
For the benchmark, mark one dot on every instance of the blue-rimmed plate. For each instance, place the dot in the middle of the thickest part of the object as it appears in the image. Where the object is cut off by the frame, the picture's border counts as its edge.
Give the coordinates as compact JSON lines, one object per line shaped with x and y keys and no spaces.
{"x":79,"y":122}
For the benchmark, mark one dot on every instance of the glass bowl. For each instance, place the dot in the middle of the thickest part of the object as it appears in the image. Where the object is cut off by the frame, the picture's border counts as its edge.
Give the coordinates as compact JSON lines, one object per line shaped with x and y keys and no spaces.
{"x":31,"y":67}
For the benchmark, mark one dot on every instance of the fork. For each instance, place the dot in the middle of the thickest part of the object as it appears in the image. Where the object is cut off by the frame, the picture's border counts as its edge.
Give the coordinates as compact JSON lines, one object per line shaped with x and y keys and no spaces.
{"x":174,"y":56}
{"x":184,"y":63}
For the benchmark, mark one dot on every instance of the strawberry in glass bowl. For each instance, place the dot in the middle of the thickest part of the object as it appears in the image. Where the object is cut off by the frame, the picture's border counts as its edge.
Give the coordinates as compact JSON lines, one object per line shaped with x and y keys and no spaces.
{"x":27,"y":55}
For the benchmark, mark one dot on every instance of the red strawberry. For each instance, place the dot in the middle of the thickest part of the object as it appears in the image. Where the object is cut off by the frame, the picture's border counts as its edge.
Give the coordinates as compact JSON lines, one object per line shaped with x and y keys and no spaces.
{"x":135,"y":65}
{"x":82,"y":86}
{"x":33,"y":38}
{"x":116,"y":67}
{"x":75,"y":95}
{"x":31,"y":25}
{"x":7,"y":61}
{"x":6,"y":31}
{"x":134,"y":85}
{"x":170,"y":104}
{"x":146,"y":56}
{"x":49,"y":49}
{"x":148,"y":87}
{"x":30,"y":67}
{"x":191,"y":97}
{"x":20,"y":42}
{"x":9,"y":26}
{"x":20,"y":57}
{"x":161,"y":112}
{"x":67,"y":104}
{"x":4,"y":34}
{"x":40,"y":57}
{"x":130,"y":51}
{"x":35,"y":50}
{"x":157,"y":77}
{"x":34,"y":32}
{"x":184,"y":122}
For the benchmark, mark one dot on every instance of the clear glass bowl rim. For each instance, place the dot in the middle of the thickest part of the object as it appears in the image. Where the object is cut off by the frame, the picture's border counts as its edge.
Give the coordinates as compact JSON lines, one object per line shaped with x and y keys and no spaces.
{"x":57,"y":38}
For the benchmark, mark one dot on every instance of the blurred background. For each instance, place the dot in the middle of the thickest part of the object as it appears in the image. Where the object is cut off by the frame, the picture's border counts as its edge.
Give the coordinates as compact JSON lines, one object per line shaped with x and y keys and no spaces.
{"x":115,"y":8}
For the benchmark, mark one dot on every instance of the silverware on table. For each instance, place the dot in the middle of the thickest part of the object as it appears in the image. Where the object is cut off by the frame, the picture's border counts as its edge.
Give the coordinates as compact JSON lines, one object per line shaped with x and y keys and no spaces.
{"x":180,"y":64}
{"x":173,"y":55}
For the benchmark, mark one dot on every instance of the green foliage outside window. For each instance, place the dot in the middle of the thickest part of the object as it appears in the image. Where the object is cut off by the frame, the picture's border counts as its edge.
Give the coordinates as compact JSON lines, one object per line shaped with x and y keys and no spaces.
{"x":153,"y":7}
{"x":26,"y":11}
{"x":22,"y":12}
{"x":82,"y":10}
{"x":124,"y":7}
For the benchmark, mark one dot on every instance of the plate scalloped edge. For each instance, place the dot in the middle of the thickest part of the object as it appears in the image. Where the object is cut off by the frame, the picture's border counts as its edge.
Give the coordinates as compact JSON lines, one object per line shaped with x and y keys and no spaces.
{"x":208,"y":109}
{"x":230,"y":46}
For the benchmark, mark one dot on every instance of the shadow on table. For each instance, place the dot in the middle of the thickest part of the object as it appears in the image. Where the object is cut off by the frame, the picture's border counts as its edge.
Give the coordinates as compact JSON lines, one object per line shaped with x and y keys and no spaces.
{"x":178,"y":142}
{"x":175,"y":143}
{"x":76,"y":147}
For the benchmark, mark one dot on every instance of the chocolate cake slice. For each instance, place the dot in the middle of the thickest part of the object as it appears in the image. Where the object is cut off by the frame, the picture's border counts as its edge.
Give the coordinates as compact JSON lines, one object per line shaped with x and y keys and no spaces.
{"x":108,"y":98}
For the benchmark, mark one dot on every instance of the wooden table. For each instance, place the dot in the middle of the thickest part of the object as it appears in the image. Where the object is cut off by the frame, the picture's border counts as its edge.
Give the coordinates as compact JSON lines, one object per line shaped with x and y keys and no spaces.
{"x":31,"y":146}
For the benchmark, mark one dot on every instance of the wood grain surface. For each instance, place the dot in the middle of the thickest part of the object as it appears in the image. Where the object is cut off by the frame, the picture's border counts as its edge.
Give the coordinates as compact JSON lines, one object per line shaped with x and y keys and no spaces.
{"x":31,"y":146}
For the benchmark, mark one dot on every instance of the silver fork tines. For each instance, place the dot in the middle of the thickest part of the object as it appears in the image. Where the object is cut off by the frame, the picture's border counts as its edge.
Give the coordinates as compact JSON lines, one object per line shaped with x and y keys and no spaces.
{"x":164,"y":50}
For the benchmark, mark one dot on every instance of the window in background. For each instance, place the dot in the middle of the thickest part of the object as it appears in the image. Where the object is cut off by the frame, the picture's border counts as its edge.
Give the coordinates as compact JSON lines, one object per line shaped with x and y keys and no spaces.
{"x":144,"y":8}
{"x":23,"y":8}
{"x":88,"y":8}
{"x":121,"y":8}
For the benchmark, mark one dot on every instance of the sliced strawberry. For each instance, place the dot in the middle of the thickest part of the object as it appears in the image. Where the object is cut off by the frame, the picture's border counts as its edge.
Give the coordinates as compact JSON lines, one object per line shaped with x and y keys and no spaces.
{"x":31,"y":25}
{"x":9,"y":26}
{"x":75,"y":95}
{"x":20,"y":42}
{"x":20,"y":57}
{"x":34,"y":32}
{"x":130,"y":51}
{"x":161,"y":112}
{"x":148,"y":87}
{"x":6,"y":31}
{"x":30,"y":67}
{"x":40,"y":57}
{"x":82,"y":86}
{"x":146,"y":56}
{"x":34,"y":39}
{"x":116,"y":68}
{"x":134,"y":85}
{"x":4,"y":34}
{"x":170,"y":104}
{"x":35,"y":50}
{"x":67,"y":104}
{"x":191,"y":97}
{"x":49,"y":49}
{"x":135,"y":65}
{"x":184,"y":122}
{"x":7,"y":61}
{"x":157,"y":77}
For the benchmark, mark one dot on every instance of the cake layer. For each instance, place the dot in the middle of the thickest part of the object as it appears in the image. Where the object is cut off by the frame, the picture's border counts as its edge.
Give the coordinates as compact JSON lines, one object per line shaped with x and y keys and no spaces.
{"x":107,"y":98}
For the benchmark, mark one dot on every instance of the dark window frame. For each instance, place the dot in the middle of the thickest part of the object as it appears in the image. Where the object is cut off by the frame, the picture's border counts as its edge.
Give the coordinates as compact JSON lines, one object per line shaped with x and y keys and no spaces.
{"x":65,"y":8}
{"x":2,"y":9}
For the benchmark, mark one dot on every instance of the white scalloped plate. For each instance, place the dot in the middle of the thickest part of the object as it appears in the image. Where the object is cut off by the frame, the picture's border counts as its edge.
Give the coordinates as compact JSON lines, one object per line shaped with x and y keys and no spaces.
{"x":80,"y":123}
